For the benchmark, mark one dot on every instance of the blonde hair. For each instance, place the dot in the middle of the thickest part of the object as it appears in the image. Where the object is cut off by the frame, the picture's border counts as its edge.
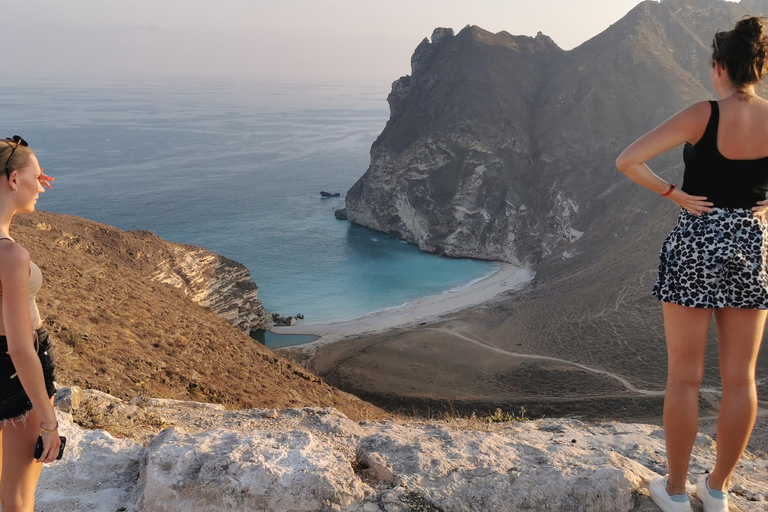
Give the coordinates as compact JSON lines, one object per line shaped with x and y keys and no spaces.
{"x":18,"y":158}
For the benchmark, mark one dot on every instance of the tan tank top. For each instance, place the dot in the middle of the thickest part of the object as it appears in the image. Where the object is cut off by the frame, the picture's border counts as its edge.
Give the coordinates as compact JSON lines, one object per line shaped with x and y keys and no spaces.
{"x":35,"y":283}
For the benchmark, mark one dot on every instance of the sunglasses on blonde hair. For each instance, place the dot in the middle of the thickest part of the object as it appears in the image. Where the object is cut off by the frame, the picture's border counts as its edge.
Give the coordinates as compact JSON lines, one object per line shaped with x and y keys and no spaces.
{"x":19,"y":142}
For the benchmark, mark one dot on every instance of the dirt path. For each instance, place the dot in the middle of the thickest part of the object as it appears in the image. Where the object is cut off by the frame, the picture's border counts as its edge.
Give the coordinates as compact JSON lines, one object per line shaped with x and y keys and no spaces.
{"x":762,"y":411}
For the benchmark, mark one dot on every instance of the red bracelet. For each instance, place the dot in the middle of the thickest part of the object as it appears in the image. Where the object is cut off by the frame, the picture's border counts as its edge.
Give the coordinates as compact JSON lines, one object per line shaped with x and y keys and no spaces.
{"x":671,"y":188}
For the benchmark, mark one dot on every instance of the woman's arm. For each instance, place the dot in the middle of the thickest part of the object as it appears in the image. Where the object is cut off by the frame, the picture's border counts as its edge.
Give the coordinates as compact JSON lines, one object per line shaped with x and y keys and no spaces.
{"x":14,"y":274}
{"x":687,"y":125}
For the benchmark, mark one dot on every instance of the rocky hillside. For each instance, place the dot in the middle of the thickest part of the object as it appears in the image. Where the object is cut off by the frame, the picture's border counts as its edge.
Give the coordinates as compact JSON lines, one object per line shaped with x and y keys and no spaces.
{"x":502,"y":147}
{"x":121,"y":307}
{"x":318,"y":460}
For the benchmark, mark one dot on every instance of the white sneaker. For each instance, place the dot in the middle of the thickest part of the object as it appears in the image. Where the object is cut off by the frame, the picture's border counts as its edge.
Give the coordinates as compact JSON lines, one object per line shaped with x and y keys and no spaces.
{"x":711,"y":503}
{"x":661,"y":497}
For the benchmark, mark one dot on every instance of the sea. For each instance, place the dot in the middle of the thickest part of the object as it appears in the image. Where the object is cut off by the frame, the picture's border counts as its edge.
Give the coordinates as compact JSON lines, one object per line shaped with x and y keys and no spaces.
{"x":237,"y":167}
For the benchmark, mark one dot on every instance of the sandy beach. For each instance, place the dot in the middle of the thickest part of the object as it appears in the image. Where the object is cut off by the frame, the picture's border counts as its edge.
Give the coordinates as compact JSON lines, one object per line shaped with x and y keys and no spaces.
{"x":428,"y":309}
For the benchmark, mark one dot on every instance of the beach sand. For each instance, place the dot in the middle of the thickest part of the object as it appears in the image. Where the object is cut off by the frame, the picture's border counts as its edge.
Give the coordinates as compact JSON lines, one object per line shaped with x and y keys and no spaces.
{"x":425,"y":310}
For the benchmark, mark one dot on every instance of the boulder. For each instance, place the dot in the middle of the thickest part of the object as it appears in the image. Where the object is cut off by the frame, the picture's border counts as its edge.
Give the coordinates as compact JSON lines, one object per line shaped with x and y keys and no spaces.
{"x":68,"y":398}
{"x":265,"y":470}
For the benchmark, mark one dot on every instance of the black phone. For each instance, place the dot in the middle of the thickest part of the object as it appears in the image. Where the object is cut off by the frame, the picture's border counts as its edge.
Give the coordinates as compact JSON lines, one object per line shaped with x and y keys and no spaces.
{"x":39,"y":447}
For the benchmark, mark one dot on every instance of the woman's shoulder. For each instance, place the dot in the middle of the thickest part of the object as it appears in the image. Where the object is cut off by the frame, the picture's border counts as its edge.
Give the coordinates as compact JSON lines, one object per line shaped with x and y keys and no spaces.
{"x":11,"y":254}
{"x":701,"y":110}
{"x":692,"y":121}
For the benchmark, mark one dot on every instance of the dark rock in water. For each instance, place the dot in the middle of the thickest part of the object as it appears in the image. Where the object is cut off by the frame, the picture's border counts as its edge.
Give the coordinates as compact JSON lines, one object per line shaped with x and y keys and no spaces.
{"x":328,"y":194}
{"x":341,"y":214}
{"x":300,"y":316}
{"x":287,"y":321}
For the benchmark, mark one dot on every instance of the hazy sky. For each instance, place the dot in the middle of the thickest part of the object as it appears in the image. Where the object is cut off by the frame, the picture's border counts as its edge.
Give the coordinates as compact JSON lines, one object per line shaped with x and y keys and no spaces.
{"x":273,"y":40}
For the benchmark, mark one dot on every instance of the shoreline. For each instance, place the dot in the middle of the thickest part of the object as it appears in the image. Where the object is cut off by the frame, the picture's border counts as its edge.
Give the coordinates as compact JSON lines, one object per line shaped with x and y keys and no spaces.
{"x":428,"y":309}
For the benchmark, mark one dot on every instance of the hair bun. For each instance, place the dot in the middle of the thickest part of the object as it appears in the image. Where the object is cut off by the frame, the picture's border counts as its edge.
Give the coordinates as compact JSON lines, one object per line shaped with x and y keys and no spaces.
{"x":751,"y":27}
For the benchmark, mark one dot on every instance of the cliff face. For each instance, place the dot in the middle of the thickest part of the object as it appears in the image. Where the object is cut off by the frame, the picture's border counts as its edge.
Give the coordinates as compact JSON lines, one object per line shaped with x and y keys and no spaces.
{"x":452,"y":170}
{"x":211,"y":280}
{"x":502,"y":147}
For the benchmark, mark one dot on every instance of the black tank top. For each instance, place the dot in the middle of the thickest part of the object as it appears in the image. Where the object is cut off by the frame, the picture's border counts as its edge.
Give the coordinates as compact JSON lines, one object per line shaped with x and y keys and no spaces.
{"x":726,"y":183}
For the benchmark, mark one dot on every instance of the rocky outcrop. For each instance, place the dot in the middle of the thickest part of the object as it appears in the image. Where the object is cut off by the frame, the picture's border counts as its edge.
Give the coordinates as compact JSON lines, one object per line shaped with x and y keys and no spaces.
{"x":502,"y":147}
{"x":213,"y":281}
{"x":209,"y":279}
{"x":316,"y":459}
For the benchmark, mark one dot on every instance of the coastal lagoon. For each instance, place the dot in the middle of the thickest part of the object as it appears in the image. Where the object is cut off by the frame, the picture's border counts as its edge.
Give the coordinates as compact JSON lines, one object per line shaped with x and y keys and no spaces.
{"x":236,"y":167}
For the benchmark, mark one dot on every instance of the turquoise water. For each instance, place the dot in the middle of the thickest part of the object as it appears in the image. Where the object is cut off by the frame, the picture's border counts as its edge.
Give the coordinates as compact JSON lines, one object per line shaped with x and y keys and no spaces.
{"x":237,"y":168}
{"x":271,"y":340}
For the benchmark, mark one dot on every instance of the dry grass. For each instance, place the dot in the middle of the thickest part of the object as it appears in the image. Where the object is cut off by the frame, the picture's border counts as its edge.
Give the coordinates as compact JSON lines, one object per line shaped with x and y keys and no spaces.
{"x":453,"y":418}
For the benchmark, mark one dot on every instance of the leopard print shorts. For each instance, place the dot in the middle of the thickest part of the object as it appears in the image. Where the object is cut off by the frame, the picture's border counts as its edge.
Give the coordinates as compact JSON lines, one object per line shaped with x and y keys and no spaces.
{"x":715,"y":260}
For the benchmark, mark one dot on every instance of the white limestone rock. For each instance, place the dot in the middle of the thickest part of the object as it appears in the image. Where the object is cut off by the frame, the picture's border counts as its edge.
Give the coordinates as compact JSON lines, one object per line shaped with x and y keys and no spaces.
{"x":271,"y":470}
{"x":97,"y":472}
{"x":316,"y":459}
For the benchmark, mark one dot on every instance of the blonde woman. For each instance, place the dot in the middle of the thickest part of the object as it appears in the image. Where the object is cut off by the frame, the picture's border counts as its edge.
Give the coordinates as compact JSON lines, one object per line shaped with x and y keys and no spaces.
{"x":26,"y":361}
{"x":714,"y":260}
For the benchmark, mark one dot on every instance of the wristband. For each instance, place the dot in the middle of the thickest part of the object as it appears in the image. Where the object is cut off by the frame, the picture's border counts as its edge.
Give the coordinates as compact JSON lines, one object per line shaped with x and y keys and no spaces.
{"x":671,"y":188}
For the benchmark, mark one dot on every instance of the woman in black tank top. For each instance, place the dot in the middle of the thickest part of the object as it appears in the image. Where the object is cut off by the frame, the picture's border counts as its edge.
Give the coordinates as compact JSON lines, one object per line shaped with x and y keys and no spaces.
{"x":715,"y":259}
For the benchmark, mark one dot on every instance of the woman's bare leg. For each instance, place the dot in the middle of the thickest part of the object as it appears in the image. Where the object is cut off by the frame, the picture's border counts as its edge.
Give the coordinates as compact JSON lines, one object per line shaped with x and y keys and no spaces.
{"x":686,"y":331}
{"x":20,"y":471}
{"x":739,"y":333}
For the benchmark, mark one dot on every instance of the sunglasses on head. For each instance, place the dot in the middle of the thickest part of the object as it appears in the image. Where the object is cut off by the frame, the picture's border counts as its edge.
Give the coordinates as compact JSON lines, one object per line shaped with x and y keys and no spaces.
{"x":19,"y":142}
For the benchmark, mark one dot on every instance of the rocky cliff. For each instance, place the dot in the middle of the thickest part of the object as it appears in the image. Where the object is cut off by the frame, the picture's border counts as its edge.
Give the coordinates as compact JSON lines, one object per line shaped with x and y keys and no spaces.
{"x":211,"y":280}
{"x":502,"y":147}
{"x":200,"y":457}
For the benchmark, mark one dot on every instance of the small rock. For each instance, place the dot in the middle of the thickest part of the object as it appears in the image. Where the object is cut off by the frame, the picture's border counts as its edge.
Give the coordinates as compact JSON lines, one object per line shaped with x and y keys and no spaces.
{"x":341,"y":214}
{"x":69,"y":398}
